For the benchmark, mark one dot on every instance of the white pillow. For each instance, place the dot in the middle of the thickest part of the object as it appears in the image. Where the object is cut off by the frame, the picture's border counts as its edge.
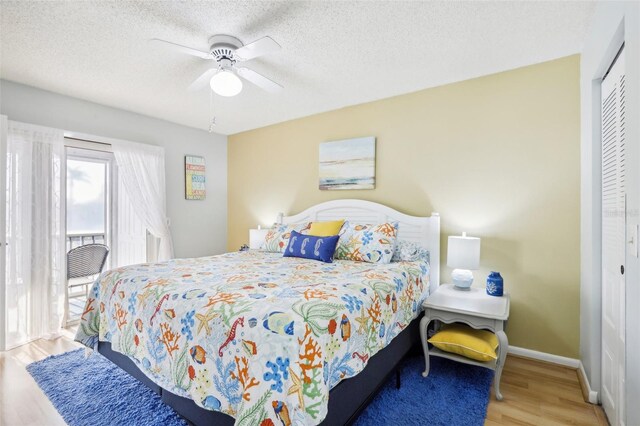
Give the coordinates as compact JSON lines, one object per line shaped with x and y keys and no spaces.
{"x":408,"y":251}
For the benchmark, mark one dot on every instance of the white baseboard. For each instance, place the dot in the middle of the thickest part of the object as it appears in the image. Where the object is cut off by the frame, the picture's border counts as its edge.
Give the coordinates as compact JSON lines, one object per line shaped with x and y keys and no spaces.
{"x":560,"y":360}
{"x":593,"y":395}
{"x":543,"y":356}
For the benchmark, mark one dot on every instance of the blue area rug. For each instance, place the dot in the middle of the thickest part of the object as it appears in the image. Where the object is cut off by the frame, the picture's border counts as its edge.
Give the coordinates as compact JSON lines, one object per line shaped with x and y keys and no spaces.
{"x":452,"y":394}
{"x":94,"y":391}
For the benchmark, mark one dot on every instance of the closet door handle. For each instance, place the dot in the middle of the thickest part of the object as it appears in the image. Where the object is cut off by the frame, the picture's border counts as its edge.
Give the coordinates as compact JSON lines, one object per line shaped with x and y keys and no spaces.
{"x":622,"y":269}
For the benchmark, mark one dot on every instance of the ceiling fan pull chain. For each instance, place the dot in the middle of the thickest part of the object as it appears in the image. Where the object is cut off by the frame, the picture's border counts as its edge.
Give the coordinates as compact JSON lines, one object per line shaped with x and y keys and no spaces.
{"x":212,"y":124}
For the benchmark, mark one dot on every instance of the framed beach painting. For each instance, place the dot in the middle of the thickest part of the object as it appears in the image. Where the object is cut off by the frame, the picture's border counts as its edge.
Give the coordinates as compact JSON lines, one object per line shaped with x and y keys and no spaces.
{"x":348,"y":164}
{"x":194,"y":178}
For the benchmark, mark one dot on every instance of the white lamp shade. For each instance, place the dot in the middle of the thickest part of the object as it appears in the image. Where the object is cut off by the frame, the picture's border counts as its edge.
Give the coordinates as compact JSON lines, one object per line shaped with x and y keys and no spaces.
{"x":256,"y":238}
{"x":463,"y":252}
{"x":226,"y":83}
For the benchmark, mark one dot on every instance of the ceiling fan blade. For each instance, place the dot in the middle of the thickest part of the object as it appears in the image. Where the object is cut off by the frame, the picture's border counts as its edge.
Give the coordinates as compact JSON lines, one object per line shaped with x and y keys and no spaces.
{"x":202,"y":81}
{"x":259,"y":80}
{"x":182,"y":49}
{"x":257,"y":48}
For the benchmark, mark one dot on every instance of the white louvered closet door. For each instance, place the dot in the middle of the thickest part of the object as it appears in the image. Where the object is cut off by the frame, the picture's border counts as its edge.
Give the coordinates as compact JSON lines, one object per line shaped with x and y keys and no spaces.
{"x":613,"y":241}
{"x":3,"y":235}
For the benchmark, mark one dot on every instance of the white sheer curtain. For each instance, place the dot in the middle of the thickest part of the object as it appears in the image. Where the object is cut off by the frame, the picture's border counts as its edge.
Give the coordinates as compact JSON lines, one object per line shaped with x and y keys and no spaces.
{"x":35,"y":257}
{"x":141,"y":170}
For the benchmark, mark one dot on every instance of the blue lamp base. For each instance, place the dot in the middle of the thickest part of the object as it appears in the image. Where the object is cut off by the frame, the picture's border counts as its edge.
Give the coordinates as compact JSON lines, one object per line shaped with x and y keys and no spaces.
{"x":462,"y":279}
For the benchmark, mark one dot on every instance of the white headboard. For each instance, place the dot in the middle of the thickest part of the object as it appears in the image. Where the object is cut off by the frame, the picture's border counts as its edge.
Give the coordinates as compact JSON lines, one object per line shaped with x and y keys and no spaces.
{"x":422,"y":230}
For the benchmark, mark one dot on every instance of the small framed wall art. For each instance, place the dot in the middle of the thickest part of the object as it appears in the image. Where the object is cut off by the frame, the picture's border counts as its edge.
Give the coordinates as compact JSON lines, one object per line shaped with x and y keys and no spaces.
{"x":348,"y":164}
{"x":194,"y":178}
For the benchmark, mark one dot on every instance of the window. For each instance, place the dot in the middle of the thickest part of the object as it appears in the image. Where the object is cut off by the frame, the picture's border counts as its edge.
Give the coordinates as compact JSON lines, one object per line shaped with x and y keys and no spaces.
{"x":86,"y":201}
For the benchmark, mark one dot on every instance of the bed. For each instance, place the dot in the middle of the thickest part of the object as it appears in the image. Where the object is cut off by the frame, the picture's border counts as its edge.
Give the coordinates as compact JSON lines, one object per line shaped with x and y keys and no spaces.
{"x":255,"y":338}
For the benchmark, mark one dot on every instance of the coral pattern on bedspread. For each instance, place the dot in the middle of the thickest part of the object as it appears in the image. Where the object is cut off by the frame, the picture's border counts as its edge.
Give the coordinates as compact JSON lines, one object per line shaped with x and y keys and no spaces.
{"x":257,"y":336}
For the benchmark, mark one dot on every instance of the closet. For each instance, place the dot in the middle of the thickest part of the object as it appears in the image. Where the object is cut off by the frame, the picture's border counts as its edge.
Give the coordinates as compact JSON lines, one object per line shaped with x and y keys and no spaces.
{"x":613,"y":239}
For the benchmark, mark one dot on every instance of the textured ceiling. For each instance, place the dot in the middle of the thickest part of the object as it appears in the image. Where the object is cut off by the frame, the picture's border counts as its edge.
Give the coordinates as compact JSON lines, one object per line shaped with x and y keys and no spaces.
{"x":334,"y":54}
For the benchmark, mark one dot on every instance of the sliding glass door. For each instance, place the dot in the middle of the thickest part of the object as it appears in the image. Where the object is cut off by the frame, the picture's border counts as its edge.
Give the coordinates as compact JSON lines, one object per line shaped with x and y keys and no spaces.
{"x":88,"y":197}
{"x":99,"y":211}
{"x":90,"y":177}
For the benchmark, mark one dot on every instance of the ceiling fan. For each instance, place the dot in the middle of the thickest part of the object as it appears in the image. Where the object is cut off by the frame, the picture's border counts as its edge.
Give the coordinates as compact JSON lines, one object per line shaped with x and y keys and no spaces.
{"x":227,"y":51}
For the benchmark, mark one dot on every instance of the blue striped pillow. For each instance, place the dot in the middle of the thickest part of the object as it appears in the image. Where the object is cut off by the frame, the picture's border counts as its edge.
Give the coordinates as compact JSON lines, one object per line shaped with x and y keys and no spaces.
{"x":311,"y":247}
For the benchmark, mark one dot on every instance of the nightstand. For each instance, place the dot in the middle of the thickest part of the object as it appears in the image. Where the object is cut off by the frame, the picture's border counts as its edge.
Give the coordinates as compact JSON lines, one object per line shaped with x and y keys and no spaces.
{"x":474,"y":308}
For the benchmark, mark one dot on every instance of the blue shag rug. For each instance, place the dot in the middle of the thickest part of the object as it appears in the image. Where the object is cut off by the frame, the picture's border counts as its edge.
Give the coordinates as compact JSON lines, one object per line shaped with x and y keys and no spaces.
{"x":94,"y":391}
{"x":453,"y":394}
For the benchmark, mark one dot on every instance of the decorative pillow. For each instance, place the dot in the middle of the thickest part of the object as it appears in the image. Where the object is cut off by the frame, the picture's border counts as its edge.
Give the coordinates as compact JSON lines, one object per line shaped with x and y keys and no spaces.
{"x":324,"y":229}
{"x":367,"y":243}
{"x":311,"y":247}
{"x":408,"y":251}
{"x":277,"y":238}
{"x":463,"y":340}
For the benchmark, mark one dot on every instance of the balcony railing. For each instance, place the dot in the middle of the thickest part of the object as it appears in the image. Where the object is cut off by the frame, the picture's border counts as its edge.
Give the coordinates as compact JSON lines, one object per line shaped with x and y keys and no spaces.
{"x":77,"y":240}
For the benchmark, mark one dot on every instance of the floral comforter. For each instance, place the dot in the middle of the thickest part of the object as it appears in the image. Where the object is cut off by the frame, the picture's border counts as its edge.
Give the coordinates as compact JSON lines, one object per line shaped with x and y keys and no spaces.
{"x":252,"y":334}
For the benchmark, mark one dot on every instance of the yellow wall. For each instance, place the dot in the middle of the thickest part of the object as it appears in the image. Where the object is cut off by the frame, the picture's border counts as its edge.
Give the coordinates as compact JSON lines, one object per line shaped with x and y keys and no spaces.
{"x":496,"y":156}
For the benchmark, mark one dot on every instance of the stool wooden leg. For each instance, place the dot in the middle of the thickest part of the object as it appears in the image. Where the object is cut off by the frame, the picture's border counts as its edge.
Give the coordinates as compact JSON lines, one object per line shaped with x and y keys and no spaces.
{"x":502,"y":356}
{"x":424,"y":324}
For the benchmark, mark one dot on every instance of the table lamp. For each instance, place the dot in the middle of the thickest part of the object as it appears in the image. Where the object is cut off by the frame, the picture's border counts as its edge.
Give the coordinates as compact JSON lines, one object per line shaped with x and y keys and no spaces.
{"x":463,"y":254}
{"x":256,"y":237}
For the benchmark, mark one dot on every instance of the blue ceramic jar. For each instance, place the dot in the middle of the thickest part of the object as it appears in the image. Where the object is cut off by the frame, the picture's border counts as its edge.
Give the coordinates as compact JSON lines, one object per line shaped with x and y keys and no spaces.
{"x":495,"y":284}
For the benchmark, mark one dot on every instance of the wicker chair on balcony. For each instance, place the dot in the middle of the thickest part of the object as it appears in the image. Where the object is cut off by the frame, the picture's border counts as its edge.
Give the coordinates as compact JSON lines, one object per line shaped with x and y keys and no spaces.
{"x":84,"y":263}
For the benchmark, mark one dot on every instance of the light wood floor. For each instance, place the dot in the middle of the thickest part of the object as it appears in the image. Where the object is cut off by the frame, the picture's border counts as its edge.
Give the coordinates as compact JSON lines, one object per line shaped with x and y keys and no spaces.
{"x":538,"y":393}
{"x":535,"y":393}
{"x":22,"y":403}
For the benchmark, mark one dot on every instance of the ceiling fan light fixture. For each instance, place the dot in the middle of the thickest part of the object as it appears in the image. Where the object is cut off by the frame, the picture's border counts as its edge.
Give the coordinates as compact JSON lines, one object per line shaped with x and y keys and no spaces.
{"x":226,"y":83}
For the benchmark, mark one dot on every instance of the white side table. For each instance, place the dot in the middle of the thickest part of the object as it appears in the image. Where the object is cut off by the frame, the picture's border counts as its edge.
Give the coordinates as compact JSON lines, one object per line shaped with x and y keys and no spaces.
{"x":474,"y":308}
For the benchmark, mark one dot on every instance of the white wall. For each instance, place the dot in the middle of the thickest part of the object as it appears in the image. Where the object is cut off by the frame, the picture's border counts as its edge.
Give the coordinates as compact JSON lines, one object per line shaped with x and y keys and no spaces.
{"x":613,"y":23}
{"x":199,"y":228}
